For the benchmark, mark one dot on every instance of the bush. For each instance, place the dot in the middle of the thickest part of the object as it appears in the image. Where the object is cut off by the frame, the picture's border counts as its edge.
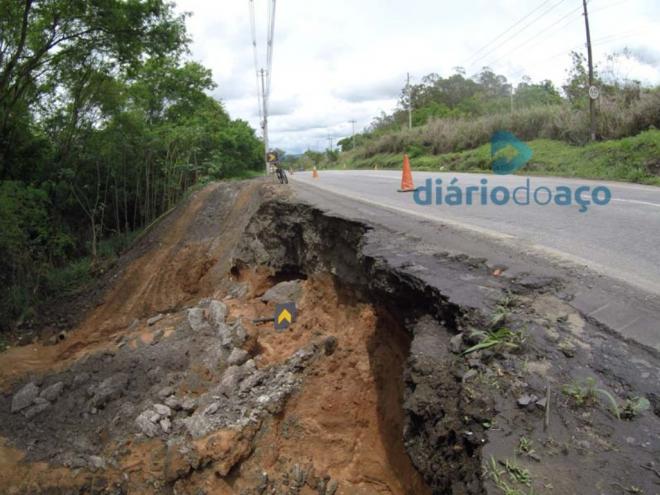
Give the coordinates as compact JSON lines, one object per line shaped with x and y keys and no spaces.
{"x":618,"y":117}
{"x":67,"y":280}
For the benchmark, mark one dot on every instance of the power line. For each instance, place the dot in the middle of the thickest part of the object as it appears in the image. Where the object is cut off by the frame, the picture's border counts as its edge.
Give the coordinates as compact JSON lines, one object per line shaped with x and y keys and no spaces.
{"x":518,"y":32}
{"x":256,"y":60}
{"x":263,"y":75}
{"x":538,"y":35}
{"x":604,"y":7}
{"x":507,"y":30}
{"x":271,"y":40}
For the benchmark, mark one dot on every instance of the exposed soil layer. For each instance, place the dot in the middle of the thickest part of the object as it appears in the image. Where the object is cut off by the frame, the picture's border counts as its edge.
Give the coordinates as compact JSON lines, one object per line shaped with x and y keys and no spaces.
{"x":183,"y":258}
{"x":169,"y":386}
{"x":475,"y":419}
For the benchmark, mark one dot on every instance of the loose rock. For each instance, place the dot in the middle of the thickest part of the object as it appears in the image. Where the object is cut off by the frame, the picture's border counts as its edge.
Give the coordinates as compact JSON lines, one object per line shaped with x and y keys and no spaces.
{"x":237,"y":357}
{"x":109,"y":389}
{"x":166,"y":392}
{"x":173,"y":403}
{"x":283,"y":292}
{"x":456,"y":343}
{"x":53,"y":392}
{"x":146,"y":426}
{"x":527,"y":400}
{"x":196,"y":319}
{"x":165,"y":425}
{"x":36,"y":409}
{"x":163,"y":410}
{"x":189,"y":405}
{"x":24,"y":397}
{"x":217,"y":312}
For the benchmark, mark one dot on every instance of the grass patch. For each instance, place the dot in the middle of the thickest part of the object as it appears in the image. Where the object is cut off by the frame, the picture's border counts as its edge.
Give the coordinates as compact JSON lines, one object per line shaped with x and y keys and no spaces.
{"x":632,"y":159}
{"x":509,"y":477}
{"x":585,"y":393}
{"x":501,"y":338}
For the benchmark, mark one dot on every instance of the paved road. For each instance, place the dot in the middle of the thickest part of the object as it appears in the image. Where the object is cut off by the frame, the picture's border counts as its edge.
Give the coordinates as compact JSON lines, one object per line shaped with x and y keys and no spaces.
{"x":620,"y":240}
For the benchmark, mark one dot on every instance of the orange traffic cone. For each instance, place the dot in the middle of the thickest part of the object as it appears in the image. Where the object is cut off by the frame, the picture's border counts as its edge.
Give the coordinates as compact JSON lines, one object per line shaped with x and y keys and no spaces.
{"x":315,"y":174}
{"x":406,"y":177}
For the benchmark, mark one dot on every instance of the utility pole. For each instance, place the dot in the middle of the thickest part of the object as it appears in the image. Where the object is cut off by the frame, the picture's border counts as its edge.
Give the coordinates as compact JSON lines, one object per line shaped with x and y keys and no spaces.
{"x":409,"y":101}
{"x":330,"y":142}
{"x":592,"y":121}
{"x":353,"y":135}
{"x":511,"y":98}
{"x":264,"y":124}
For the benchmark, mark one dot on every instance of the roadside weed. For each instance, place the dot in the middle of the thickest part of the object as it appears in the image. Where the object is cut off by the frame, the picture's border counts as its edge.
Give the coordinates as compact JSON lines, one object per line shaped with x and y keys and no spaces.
{"x":525,"y":446}
{"x":585,"y":393}
{"x":517,"y":472}
{"x":582,"y":393}
{"x":634,"y":407}
{"x":502,"y":337}
{"x":506,"y":477}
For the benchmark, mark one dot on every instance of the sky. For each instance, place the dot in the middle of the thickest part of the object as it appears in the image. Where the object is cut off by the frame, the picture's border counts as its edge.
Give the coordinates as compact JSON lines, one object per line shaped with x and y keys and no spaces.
{"x":342,"y":60}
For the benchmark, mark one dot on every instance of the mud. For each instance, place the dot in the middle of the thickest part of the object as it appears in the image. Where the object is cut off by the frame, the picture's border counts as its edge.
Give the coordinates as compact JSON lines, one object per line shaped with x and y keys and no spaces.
{"x":375,"y":389}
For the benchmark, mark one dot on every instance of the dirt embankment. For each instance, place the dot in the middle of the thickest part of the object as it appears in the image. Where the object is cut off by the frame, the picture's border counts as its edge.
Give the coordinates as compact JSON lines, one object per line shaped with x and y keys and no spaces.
{"x":168,"y":386}
{"x":182,"y":259}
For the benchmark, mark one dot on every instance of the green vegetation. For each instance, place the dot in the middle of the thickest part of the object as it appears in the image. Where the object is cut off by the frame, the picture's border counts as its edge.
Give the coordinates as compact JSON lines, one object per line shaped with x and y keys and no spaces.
{"x":635,"y":407}
{"x":585,"y":394}
{"x":454,"y":118}
{"x":502,"y":337}
{"x":104,"y":125}
{"x":632,"y":159}
{"x":525,"y":447}
{"x":511,"y":478}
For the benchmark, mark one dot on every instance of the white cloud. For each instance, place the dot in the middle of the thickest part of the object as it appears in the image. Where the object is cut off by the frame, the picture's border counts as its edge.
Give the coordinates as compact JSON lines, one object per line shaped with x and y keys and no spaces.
{"x":347,"y":59}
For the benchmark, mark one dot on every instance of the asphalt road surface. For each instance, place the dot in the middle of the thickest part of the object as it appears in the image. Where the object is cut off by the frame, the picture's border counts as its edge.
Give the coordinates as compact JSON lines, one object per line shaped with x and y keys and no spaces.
{"x":620,"y":240}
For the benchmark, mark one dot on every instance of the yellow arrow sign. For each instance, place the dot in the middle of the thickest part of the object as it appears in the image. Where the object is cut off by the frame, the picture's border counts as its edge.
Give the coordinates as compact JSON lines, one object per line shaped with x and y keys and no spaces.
{"x":284,"y":315}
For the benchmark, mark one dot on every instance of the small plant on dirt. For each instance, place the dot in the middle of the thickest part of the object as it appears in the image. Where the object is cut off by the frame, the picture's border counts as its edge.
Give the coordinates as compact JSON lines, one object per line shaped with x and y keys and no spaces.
{"x":525,"y":447}
{"x":585,"y":394}
{"x":581,"y":393}
{"x":517,"y":472}
{"x":515,"y":475}
{"x":503,"y":337}
{"x":635,"y":407}
{"x":503,"y":309}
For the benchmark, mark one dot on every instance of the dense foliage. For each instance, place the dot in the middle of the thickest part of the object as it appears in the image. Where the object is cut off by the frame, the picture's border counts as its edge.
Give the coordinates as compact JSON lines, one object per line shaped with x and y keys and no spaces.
{"x":457,"y":112}
{"x":104,"y":124}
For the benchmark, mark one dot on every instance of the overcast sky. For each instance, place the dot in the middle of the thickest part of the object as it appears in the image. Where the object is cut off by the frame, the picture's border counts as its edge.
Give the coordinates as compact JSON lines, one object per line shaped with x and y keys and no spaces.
{"x":339,"y":60}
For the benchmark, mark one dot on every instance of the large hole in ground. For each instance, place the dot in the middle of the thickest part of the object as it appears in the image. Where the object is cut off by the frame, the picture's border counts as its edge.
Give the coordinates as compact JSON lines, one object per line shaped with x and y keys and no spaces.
{"x":430,"y":438}
{"x":346,"y":420}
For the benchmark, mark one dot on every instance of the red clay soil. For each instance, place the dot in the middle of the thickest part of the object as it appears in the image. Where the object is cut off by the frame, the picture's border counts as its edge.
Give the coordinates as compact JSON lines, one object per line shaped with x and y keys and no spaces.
{"x":181,"y":260}
{"x":344,"y":423}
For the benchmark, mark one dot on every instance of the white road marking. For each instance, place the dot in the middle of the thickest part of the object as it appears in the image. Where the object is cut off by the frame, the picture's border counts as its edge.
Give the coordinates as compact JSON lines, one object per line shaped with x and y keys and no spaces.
{"x":514,"y":242}
{"x":637,"y":202}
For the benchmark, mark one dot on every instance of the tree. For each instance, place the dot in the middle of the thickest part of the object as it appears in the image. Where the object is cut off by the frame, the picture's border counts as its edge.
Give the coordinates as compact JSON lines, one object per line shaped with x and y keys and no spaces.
{"x":38,"y":37}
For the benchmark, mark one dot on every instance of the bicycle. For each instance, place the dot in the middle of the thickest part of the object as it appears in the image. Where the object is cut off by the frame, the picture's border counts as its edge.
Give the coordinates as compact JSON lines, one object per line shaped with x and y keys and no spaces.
{"x":281,"y":175}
